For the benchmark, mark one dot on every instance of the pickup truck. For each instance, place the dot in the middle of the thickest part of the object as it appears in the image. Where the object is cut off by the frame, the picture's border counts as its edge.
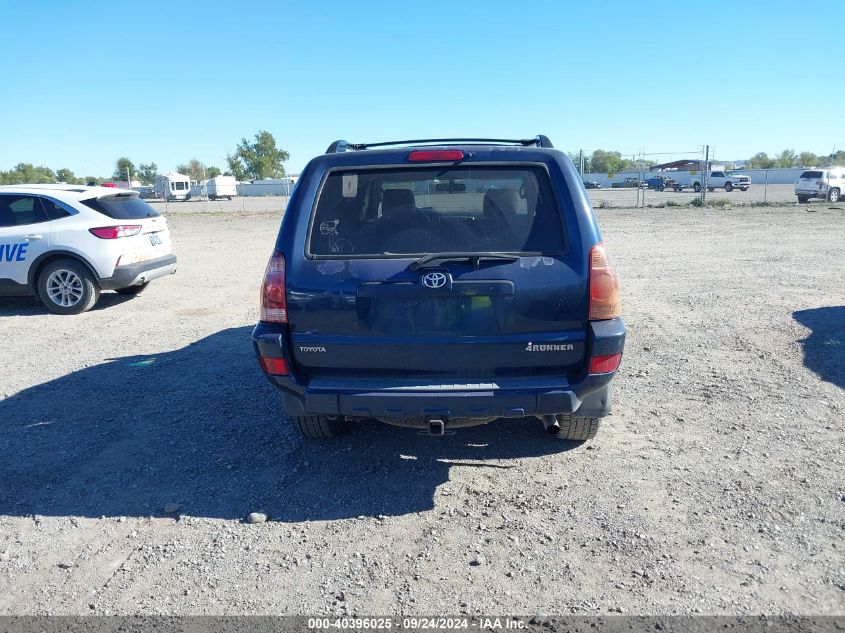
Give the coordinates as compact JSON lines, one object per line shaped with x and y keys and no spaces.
{"x":629,"y":182}
{"x":659,"y":183}
{"x":721,"y":179}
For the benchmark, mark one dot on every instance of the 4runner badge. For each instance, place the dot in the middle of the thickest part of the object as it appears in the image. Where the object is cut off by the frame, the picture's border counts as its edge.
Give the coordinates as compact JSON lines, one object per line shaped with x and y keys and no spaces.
{"x":550,"y":347}
{"x":312,"y":348}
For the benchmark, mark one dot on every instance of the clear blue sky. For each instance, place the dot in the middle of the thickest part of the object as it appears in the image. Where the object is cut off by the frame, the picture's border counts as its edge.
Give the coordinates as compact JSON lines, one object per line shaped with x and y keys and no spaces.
{"x":85,"y":83}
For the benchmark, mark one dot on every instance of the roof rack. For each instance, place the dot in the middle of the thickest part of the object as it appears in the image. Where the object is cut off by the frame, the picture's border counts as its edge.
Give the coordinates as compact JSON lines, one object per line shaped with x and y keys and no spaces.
{"x":538,"y":141}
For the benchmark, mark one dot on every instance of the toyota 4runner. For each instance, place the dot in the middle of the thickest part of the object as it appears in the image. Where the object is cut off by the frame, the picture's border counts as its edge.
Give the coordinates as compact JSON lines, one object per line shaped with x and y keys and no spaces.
{"x":437,"y":284}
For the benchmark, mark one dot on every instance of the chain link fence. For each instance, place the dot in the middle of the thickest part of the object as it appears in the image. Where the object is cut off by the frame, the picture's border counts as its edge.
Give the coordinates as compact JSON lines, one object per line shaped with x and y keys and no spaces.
{"x":629,"y":189}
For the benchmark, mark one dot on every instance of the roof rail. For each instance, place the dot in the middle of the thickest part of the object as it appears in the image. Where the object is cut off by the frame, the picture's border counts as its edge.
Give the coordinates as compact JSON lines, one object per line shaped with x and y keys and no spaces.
{"x":538,"y":141}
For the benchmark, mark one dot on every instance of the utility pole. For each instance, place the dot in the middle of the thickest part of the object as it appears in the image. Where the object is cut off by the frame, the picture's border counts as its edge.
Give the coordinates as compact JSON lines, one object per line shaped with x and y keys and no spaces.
{"x":704,"y":173}
{"x":128,"y":178}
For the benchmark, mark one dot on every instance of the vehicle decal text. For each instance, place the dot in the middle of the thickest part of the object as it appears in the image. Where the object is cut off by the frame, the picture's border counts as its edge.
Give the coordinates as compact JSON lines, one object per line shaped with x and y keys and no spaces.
{"x":13,"y":252}
{"x":550,"y":347}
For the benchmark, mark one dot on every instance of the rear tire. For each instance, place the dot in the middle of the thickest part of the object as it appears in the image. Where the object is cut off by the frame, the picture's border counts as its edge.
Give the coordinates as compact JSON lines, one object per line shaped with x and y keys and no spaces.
{"x":316,"y":427}
{"x":66,"y":286}
{"x":577,"y":429}
{"x":803,"y":199}
{"x":696,"y":187}
{"x":131,"y":291}
{"x":833,"y":195}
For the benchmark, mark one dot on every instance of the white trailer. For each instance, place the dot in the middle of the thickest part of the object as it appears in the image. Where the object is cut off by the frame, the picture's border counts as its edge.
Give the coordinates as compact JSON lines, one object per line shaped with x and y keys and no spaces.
{"x":173,"y":186}
{"x":221,"y":187}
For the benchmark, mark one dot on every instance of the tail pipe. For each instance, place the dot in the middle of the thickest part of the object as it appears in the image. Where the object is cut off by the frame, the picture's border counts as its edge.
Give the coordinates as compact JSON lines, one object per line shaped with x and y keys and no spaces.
{"x":550,"y":424}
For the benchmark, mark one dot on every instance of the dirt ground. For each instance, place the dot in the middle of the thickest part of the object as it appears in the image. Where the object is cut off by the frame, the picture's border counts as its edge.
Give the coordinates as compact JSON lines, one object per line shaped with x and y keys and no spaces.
{"x":717,"y":486}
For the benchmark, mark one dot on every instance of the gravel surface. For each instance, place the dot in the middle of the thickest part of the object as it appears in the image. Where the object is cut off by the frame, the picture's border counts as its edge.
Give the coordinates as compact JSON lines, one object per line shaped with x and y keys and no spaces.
{"x":145,"y":469}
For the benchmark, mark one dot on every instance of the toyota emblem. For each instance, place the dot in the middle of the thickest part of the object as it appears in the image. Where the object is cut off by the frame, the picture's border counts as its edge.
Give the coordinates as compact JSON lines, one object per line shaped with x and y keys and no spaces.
{"x":434,"y":280}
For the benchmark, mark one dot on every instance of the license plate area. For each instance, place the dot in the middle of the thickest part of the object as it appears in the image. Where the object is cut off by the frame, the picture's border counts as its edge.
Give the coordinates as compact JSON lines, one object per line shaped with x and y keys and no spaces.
{"x":155,"y":239}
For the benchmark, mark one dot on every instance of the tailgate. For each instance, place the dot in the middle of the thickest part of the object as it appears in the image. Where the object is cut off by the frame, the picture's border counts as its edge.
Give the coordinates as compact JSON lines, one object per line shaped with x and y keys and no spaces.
{"x":358,"y":306}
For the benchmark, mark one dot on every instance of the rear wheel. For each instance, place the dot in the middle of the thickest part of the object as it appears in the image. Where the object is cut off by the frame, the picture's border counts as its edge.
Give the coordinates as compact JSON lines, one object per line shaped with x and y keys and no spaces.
{"x":65,"y":286}
{"x":577,"y":429}
{"x":696,"y":187}
{"x":316,"y":426}
{"x":729,"y":186}
{"x":802,"y":199}
{"x":132,"y":290}
{"x":833,"y":195}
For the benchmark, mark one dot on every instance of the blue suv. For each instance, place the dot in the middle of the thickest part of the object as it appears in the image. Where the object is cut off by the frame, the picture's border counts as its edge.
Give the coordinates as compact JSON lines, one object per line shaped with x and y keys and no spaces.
{"x":441,"y":283}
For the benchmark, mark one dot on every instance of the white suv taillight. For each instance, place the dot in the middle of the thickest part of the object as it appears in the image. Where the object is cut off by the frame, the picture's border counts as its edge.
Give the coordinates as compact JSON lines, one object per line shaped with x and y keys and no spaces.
{"x":114,"y":232}
{"x":605,"y":300}
{"x":274,"y":307}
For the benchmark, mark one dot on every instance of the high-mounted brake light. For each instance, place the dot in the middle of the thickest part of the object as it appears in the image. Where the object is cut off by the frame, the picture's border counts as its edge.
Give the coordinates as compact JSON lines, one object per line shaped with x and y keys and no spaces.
{"x":274,"y":308}
{"x":435,"y":155}
{"x":114,"y":232}
{"x":605,"y":300}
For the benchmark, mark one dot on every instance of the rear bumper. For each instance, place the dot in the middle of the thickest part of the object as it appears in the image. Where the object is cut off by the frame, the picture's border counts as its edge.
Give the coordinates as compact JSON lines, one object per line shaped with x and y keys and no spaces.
{"x":585,"y":394}
{"x":136,"y":274}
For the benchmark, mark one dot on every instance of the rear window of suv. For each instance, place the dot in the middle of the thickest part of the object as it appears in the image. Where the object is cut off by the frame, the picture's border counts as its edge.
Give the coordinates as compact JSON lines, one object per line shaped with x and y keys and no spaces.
{"x":414,"y":211}
{"x":811,"y":174}
{"x":122,"y":206}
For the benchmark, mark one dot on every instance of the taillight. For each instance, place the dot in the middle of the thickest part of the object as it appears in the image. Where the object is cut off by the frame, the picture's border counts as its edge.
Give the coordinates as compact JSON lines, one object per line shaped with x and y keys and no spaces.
{"x":427,"y":156}
{"x":274,"y":366}
{"x":114,"y":232}
{"x":274,"y":307}
{"x":605,"y":364}
{"x":605,"y":300}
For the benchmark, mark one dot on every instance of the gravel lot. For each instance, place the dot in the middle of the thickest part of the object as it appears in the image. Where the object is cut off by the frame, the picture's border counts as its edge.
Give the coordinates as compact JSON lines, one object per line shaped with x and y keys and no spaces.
{"x":716,"y":487}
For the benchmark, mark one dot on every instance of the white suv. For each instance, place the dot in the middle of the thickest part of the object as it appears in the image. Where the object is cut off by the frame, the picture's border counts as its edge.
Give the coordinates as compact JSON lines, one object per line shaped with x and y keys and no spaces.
{"x":821,"y":183}
{"x":66,"y":243}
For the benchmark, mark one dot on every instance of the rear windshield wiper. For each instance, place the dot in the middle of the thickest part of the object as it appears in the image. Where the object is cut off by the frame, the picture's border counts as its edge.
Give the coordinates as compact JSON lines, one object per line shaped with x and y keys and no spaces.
{"x":433,"y":259}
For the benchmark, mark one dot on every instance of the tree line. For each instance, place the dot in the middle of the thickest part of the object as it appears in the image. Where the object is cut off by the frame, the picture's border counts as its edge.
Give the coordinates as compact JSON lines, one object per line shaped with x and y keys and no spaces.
{"x":261,"y":158}
{"x":252,"y":159}
{"x":609,"y":162}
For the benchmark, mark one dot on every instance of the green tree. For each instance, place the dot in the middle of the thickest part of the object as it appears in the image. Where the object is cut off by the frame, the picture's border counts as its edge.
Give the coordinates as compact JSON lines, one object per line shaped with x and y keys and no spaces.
{"x":66,"y":175}
{"x":258,"y":159}
{"x":605,"y":162}
{"x":27,"y":173}
{"x":193,"y":169}
{"x":236,"y":167}
{"x":808,"y":159}
{"x":760,"y":160}
{"x":212,"y":172}
{"x":121,"y":166}
{"x":787,"y":158}
{"x":147,"y":173}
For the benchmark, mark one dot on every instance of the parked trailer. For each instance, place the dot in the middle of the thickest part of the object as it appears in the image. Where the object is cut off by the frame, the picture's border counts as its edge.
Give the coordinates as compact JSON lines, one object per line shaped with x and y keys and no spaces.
{"x":221,"y":187}
{"x":173,"y":186}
